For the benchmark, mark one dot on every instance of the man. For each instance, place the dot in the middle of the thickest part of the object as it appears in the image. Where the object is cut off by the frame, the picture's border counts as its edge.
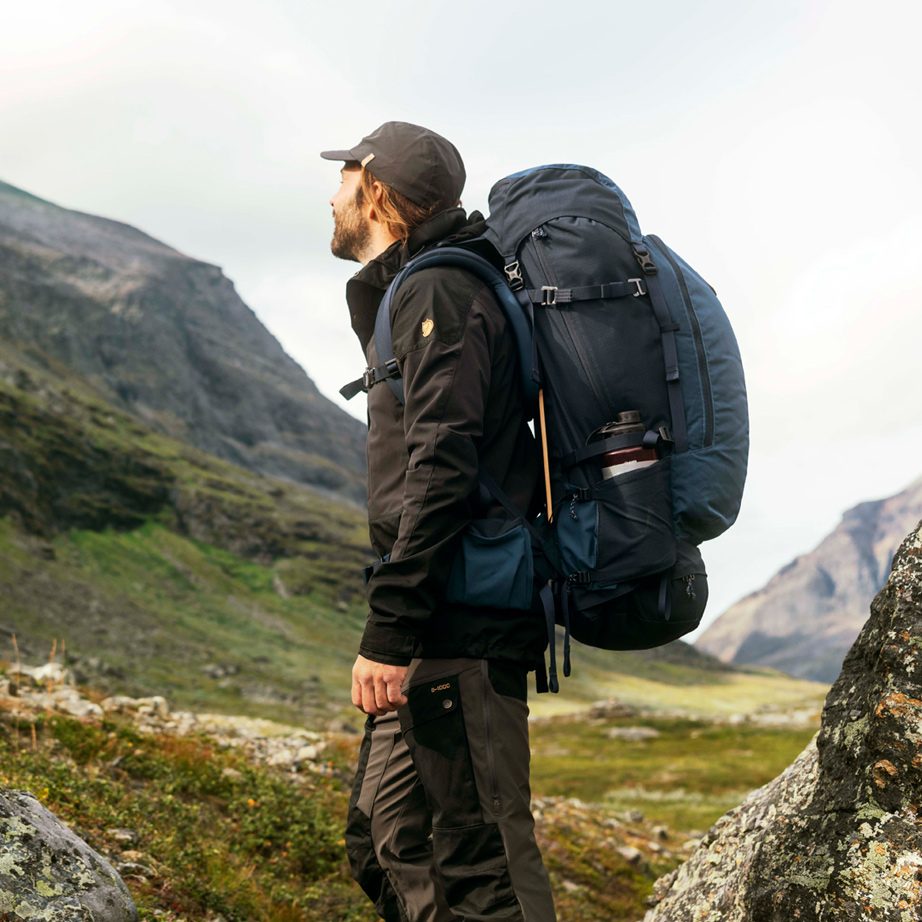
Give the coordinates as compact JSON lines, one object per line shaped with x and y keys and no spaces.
{"x":440,"y":826}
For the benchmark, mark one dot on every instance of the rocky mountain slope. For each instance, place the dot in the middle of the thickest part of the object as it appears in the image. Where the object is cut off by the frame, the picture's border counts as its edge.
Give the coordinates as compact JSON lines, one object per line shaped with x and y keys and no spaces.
{"x":160,"y":566}
{"x":169,"y":339}
{"x":806,"y":617}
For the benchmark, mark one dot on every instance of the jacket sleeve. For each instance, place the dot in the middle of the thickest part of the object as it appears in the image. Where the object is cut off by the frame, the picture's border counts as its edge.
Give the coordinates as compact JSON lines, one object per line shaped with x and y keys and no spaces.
{"x":442,"y":340}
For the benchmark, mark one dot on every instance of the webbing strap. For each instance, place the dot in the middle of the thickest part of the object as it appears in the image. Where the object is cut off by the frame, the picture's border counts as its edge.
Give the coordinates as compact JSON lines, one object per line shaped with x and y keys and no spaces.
{"x":372,"y":376}
{"x":500,"y":495}
{"x":670,"y":353}
{"x":548,"y":603}
{"x":565,"y":606}
{"x":383,"y":338}
{"x":519,"y":320}
{"x":551,"y":295}
{"x":664,"y":603}
{"x":541,"y":677}
{"x":348,"y":391}
{"x":629,"y":440}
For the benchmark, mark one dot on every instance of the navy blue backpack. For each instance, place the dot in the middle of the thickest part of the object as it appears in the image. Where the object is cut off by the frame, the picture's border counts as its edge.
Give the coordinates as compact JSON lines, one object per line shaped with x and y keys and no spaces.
{"x":625,"y":352}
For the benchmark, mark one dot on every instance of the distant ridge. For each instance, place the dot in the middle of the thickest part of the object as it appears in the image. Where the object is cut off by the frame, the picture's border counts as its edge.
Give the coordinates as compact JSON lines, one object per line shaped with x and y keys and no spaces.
{"x":168,"y":338}
{"x":806,"y":617}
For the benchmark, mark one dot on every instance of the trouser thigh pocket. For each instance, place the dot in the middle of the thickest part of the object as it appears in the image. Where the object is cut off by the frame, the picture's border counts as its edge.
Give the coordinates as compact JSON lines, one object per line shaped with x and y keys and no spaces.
{"x":468,"y":852}
{"x":433,"y":726}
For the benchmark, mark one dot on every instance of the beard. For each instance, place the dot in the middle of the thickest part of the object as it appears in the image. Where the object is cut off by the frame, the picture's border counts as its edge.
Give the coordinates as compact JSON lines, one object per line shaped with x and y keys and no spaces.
{"x":351,"y":233}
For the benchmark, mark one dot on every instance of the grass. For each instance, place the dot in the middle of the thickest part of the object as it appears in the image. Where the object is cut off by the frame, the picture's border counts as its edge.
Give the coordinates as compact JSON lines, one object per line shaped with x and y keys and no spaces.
{"x":212,"y":832}
{"x":147,"y":611}
{"x":686,"y":778}
{"x":217,"y":834}
{"x":230,"y":592}
{"x":645,"y":679}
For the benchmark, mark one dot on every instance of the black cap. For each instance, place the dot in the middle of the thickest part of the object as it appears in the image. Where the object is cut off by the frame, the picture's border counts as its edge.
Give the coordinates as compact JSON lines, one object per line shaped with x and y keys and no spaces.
{"x":417,"y":162}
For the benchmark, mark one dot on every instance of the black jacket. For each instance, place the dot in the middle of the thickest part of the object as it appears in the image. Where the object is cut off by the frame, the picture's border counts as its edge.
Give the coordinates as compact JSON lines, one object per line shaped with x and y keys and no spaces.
{"x":463,"y":412}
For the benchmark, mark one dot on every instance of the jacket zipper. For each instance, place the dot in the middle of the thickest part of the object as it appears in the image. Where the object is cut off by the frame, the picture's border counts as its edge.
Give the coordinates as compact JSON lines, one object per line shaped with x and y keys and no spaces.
{"x":699,"y":345}
{"x":539,"y":233}
{"x":488,"y":736}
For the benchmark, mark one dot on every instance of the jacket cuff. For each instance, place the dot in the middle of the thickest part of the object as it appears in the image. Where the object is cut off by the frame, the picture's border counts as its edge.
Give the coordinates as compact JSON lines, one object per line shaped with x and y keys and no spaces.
{"x":386,"y":646}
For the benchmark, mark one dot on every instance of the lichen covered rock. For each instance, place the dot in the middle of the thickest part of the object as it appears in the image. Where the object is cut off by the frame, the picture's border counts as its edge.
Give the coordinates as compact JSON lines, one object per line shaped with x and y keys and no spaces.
{"x":837,"y":836}
{"x":47,"y":873}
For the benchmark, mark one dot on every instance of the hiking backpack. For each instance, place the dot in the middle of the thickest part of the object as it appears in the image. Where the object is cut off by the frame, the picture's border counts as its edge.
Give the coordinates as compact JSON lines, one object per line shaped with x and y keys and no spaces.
{"x":625,"y":351}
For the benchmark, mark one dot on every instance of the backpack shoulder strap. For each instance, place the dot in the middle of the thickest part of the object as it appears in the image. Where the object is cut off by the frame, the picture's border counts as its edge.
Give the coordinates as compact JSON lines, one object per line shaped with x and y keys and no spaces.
{"x":518,"y":314}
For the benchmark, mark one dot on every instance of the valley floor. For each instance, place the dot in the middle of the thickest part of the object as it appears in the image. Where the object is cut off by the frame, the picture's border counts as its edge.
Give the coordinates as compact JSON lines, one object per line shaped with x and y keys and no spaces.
{"x":213,"y":817}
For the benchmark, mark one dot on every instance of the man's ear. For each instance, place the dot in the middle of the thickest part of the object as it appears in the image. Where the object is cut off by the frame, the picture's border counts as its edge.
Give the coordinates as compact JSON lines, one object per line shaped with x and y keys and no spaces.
{"x":372,"y":201}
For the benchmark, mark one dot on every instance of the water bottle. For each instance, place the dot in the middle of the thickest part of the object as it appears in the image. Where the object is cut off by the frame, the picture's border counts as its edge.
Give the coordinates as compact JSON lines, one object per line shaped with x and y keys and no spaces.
{"x":621,"y":461}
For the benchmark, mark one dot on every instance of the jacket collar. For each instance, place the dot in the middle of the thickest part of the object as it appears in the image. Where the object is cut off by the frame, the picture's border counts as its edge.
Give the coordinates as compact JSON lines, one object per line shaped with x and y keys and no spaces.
{"x":366,"y":288}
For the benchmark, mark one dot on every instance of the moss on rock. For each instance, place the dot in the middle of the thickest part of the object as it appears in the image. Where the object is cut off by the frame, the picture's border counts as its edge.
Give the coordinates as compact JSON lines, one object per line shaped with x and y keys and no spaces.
{"x":837,"y":835}
{"x":48,"y":873}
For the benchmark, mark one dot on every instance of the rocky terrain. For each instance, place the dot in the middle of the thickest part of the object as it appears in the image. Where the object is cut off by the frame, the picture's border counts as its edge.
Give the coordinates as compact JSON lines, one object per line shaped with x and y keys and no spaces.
{"x":167,"y":338}
{"x":602,"y":862}
{"x":807,"y":616}
{"x":838,"y":835}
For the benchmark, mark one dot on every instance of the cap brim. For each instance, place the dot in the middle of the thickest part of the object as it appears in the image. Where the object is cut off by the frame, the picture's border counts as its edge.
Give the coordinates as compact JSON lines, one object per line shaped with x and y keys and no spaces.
{"x":338,"y":155}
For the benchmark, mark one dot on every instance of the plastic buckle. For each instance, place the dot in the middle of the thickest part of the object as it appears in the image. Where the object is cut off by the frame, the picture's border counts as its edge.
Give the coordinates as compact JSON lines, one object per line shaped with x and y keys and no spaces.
{"x":642,"y":255}
{"x":548,"y":295}
{"x":638,"y":284}
{"x":514,"y":276}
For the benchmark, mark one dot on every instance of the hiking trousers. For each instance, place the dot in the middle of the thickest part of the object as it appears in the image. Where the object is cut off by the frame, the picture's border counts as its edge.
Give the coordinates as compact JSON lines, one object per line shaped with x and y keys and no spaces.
{"x":440,"y":825}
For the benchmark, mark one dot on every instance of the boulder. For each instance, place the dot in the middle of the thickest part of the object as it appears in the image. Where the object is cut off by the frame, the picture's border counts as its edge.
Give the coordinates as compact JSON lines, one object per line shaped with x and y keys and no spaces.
{"x":837,"y":836}
{"x":49,"y":873}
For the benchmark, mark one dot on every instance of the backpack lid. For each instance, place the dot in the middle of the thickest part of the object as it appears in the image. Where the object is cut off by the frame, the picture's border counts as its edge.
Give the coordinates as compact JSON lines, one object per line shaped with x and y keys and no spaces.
{"x":527,"y":199}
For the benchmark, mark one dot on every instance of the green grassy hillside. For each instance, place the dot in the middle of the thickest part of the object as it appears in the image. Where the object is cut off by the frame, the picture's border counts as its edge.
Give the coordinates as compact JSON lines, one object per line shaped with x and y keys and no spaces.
{"x":164,"y":570}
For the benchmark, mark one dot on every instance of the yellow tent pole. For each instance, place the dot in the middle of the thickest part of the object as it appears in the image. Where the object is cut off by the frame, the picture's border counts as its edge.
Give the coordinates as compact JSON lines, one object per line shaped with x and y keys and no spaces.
{"x":547,"y":468}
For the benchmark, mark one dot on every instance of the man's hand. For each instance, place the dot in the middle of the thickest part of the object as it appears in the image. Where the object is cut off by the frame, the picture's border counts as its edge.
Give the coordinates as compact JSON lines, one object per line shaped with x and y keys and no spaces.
{"x":376,"y":686}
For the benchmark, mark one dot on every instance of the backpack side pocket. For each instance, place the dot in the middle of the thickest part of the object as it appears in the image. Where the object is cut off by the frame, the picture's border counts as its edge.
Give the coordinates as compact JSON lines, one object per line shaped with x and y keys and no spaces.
{"x":493,"y":567}
{"x":619,"y":529}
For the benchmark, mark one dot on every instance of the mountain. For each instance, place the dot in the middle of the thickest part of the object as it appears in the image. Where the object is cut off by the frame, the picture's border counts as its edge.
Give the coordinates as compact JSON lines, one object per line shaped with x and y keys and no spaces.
{"x":158,"y":566}
{"x":167,"y":338}
{"x":807,"y":616}
{"x":177,"y":503}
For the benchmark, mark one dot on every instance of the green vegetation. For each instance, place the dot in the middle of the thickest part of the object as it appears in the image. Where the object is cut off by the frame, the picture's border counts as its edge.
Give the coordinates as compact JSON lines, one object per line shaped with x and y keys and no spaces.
{"x":696,"y":688}
{"x":149,"y":611}
{"x":210,"y":832}
{"x":686,"y":778}
{"x":592,"y":881}
{"x":165,"y":571}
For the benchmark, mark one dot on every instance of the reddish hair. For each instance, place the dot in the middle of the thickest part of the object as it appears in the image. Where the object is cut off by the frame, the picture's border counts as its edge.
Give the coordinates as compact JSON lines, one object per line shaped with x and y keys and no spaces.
{"x":398,"y":214}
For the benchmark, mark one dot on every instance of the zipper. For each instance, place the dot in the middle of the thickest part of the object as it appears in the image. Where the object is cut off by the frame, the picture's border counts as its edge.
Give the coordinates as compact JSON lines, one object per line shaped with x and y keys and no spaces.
{"x":495,"y":799}
{"x":540,"y":234}
{"x":699,"y":344}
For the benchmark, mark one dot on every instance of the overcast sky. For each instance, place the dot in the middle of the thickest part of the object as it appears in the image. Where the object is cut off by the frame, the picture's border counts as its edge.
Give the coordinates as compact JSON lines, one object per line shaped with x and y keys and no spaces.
{"x":775,"y":145}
